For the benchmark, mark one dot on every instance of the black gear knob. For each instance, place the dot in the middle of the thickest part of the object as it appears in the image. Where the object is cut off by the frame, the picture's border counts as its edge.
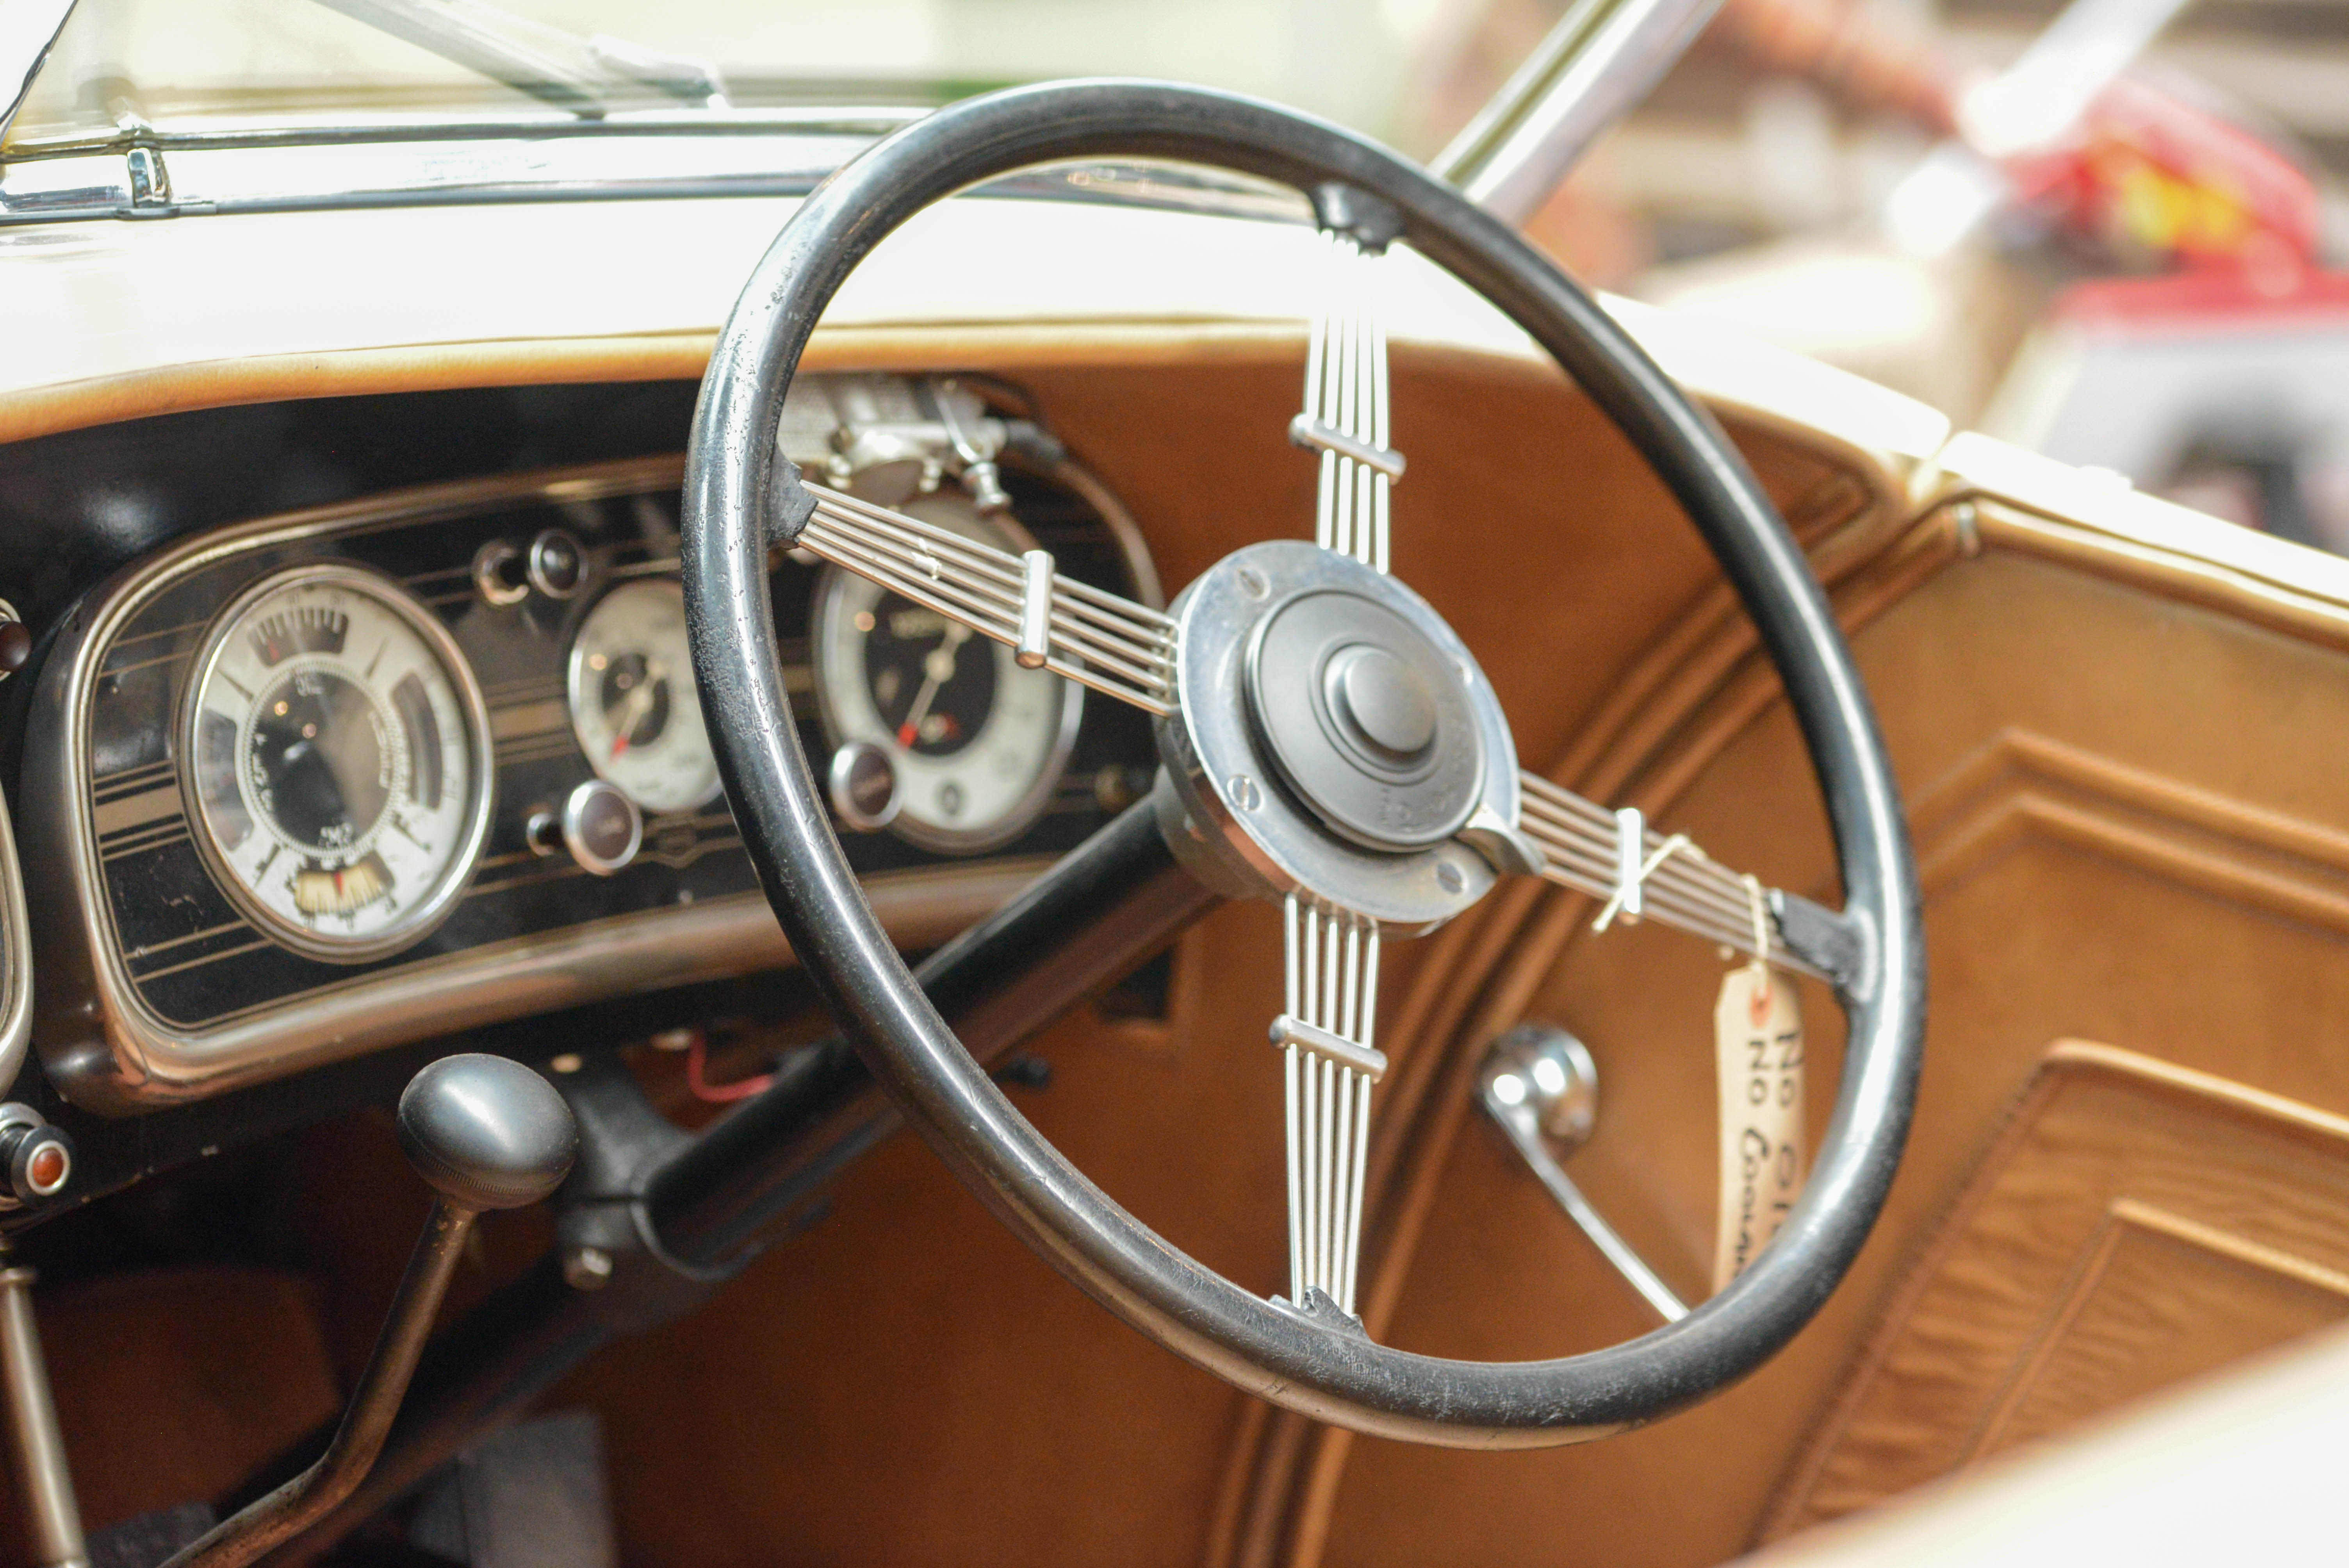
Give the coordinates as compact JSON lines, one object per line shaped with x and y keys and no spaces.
{"x":486,"y":1132}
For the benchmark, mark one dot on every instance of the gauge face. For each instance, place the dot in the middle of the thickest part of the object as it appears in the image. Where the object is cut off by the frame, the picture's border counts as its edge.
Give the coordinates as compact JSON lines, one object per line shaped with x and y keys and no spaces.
{"x":634,"y":705}
{"x":976,"y":742}
{"x":340,"y":751}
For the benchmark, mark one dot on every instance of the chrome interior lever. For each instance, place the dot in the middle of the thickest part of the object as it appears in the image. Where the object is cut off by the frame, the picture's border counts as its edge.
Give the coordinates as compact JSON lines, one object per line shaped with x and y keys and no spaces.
{"x":53,"y":1518}
{"x":484,"y":1132}
{"x":1540,"y":1084}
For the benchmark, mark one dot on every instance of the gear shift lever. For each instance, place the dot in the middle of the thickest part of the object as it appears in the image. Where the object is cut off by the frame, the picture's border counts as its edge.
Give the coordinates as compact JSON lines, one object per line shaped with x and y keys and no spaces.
{"x":484,"y":1133}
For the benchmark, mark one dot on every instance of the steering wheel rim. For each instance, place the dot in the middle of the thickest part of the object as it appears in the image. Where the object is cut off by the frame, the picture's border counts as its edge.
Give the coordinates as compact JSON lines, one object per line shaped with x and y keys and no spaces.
{"x":736,"y":490}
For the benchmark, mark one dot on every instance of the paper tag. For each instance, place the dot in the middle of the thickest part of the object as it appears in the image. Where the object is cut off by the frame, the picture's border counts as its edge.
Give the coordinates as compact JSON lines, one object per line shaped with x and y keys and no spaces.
{"x":1758,"y":1032}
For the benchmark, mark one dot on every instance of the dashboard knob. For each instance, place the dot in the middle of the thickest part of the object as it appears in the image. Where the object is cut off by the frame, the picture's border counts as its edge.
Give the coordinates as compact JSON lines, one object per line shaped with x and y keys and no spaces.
{"x":557,"y":564}
{"x":602,"y":827}
{"x":38,"y":1157}
{"x":15,"y":641}
{"x":863,"y":786}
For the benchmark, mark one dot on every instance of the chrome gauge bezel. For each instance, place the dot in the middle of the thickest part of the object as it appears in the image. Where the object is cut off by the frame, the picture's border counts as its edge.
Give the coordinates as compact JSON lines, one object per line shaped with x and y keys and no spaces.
{"x":449,"y":885}
{"x":831,"y":584}
{"x":575,"y":696}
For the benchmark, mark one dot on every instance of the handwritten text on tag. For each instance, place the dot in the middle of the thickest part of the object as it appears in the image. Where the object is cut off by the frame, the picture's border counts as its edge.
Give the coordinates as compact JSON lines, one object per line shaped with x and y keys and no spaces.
{"x":1758,"y":1031}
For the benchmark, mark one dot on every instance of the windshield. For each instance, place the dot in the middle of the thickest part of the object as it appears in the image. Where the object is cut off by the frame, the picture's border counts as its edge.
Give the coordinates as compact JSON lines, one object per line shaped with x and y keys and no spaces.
{"x":1361,"y":62}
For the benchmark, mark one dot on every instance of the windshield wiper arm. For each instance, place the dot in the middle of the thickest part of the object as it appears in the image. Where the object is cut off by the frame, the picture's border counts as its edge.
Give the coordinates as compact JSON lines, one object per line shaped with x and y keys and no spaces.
{"x":26,"y":32}
{"x":549,"y":63}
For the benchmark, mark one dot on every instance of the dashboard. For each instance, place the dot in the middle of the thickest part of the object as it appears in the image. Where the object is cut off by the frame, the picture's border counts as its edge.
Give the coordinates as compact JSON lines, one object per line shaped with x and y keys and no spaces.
{"x":344,"y":777}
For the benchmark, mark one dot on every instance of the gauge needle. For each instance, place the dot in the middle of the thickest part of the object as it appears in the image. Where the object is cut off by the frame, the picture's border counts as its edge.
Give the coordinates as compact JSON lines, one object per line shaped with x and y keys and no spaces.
{"x":938,"y":668}
{"x":632,"y":712}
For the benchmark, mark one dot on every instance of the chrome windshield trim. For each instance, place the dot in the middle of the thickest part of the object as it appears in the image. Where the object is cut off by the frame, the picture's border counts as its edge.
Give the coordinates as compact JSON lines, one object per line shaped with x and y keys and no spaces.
{"x":322,"y":128}
{"x":277,"y":166}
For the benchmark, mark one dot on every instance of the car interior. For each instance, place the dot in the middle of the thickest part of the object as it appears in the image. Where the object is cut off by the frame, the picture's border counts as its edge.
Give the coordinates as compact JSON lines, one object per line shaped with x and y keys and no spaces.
{"x":744,"y":718}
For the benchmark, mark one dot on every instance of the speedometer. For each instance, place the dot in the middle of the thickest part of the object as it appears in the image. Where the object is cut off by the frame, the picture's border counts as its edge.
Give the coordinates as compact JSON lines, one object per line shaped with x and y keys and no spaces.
{"x":339,"y":756}
{"x":977,"y":742}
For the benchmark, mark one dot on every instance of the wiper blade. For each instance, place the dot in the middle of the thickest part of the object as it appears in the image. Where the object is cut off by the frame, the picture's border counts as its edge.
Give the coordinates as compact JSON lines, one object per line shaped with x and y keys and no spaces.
{"x":580,"y":74}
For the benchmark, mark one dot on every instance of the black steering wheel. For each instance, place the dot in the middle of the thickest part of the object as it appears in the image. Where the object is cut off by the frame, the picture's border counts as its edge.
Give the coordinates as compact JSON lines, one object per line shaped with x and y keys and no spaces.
{"x":1326,"y":742}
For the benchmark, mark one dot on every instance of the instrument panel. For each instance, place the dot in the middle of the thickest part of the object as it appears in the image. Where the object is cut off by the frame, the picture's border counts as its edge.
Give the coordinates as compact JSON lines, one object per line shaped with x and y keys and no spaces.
{"x":331,"y":781}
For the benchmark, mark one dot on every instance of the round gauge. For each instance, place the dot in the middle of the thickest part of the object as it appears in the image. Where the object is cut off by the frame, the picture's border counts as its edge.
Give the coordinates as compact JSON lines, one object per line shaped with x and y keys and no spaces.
{"x":977,"y":742}
{"x":340,"y":785}
{"x":633,"y":703}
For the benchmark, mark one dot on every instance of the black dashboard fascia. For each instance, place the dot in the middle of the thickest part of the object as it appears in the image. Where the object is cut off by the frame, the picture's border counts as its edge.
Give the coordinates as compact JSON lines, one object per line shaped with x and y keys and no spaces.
{"x":75,"y":508}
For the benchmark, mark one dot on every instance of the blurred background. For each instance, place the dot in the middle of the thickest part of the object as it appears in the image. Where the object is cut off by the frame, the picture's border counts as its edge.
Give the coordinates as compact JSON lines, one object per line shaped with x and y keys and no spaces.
{"x":2114,"y":230}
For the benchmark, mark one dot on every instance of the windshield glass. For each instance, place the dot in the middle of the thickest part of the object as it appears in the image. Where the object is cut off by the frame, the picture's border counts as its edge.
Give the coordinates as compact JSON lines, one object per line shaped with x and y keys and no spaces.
{"x":1361,"y":62}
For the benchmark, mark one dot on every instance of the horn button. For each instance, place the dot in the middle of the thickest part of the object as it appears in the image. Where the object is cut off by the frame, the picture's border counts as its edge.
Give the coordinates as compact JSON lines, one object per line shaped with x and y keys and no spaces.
{"x":1370,"y":724}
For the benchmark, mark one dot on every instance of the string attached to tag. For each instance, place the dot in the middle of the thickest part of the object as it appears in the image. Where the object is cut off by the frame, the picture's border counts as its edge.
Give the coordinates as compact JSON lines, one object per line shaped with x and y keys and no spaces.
{"x":1758,"y":1041}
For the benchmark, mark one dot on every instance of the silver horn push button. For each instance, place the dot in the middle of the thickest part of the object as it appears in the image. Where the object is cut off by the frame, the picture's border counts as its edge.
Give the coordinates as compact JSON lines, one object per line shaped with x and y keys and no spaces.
{"x":1381,"y":702}
{"x":1371,"y":725}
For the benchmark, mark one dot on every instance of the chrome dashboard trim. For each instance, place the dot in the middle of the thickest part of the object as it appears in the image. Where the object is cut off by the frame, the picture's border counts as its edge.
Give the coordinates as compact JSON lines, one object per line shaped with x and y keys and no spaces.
{"x":15,"y":959}
{"x":105,"y":1050}
{"x":277,"y":166}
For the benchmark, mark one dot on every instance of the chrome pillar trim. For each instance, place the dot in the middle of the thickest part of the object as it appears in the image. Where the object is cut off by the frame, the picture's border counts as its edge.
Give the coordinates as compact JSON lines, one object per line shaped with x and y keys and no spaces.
{"x":105,"y":1050}
{"x":28,"y":28}
{"x":1595,"y":64}
{"x":1540,"y":1083}
{"x":52,"y":1515}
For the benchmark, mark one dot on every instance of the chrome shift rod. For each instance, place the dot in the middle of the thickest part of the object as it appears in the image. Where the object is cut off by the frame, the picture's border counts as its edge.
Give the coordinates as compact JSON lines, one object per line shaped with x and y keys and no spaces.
{"x":484,"y":1133}
{"x":52,"y":1516}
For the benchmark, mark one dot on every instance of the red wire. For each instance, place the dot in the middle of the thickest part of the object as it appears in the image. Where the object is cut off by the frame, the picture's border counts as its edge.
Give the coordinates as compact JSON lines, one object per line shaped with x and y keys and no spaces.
{"x":696,"y":1065}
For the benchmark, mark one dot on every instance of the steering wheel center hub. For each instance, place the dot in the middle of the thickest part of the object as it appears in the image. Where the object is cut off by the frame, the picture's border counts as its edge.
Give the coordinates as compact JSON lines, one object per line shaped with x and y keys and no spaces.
{"x":1379,"y":704}
{"x":1334,"y":736}
{"x":1365,"y":718}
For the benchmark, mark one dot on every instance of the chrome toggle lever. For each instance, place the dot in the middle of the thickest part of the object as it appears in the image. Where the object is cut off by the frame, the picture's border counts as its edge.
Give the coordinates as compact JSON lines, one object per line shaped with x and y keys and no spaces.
{"x":1540,"y":1084}
{"x":484,"y":1133}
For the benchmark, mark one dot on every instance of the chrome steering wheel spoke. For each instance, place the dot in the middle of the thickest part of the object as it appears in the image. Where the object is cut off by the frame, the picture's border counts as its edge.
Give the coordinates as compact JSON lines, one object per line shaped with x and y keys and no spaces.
{"x":1098,"y":639}
{"x":1638,"y":873}
{"x":1328,"y":1066}
{"x":1345,"y":413}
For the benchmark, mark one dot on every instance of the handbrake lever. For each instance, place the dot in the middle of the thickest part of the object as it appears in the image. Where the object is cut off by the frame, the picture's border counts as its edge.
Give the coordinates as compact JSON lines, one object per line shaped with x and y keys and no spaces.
{"x":485,"y":1133}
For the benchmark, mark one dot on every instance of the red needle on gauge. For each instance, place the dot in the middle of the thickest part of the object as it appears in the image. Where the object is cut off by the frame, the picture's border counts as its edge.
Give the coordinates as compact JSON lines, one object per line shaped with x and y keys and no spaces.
{"x":938,"y":668}
{"x":632,"y":712}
